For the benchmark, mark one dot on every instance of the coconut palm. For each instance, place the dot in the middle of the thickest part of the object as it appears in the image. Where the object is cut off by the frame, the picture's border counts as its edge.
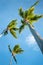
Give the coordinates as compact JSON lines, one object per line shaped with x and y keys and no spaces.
{"x":11,"y":27}
{"x":16,"y":50}
{"x":28,"y":18}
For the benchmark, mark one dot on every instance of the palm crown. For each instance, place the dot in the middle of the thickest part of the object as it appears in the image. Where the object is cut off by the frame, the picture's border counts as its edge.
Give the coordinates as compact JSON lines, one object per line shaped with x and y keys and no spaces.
{"x":12,"y":28}
{"x":15,"y":50}
{"x":28,"y":16}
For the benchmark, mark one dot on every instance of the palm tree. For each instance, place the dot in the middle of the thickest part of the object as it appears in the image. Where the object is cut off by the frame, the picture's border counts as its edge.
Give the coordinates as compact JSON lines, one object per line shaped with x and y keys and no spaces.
{"x":11,"y":27}
{"x":16,"y":50}
{"x":28,"y":18}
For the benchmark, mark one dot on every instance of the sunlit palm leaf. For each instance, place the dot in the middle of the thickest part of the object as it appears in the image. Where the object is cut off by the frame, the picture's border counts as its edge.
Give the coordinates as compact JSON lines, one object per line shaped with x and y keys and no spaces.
{"x":13,"y":22}
{"x":35,"y":18}
{"x":13,"y":33}
{"x":30,"y":11}
{"x":16,"y":47}
{"x":18,"y":51}
{"x":13,"y":26}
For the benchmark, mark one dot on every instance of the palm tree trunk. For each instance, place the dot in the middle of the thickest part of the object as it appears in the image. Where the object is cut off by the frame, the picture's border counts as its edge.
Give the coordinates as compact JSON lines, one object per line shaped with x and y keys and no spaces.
{"x":37,"y":37}
{"x":11,"y":61}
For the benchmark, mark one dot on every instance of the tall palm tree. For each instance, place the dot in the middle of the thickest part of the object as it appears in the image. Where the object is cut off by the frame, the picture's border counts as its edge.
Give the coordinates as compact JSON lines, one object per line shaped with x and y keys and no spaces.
{"x":28,"y":18}
{"x":11,"y":27}
{"x":16,"y":50}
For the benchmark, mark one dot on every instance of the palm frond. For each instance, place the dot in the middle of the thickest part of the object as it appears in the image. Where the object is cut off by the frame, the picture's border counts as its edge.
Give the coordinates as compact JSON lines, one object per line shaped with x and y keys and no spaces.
{"x":22,"y":21}
{"x":21,"y":28}
{"x":13,"y":33}
{"x":13,"y":22}
{"x":21,"y":12}
{"x":30,"y":11}
{"x":18,"y":51}
{"x":16,"y":47}
{"x":15,"y":29}
{"x":35,"y":3}
{"x":35,"y":18}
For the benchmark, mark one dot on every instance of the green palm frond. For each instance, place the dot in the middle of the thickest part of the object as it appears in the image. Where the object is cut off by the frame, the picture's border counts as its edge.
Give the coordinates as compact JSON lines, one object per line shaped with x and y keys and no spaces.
{"x":30,"y":12}
{"x":35,"y":18}
{"x":21,"y":12}
{"x":21,"y":28}
{"x":17,"y":49}
{"x":35,"y":3}
{"x":13,"y":22}
{"x":13,"y":33}
{"x":22,"y":21}
{"x":15,"y":29}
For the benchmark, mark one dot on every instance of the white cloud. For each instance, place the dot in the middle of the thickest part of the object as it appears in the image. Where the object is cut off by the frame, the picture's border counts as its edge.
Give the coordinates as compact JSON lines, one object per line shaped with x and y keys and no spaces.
{"x":1,"y":35}
{"x":31,"y":42}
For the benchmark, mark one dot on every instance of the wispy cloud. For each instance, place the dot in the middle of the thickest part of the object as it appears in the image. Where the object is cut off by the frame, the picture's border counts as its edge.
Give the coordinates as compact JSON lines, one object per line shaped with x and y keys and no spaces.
{"x":1,"y":35}
{"x":31,"y":42}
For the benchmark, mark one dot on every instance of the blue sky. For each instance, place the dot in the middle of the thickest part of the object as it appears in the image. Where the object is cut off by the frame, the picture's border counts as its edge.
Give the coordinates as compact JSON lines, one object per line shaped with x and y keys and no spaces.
{"x":32,"y":54}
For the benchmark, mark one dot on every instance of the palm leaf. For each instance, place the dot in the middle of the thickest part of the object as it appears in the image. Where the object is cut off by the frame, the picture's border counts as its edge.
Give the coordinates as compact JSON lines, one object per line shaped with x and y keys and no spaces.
{"x":15,"y":29}
{"x":35,"y":3}
{"x":21,"y":28}
{"x":13,"y":33}
{"x":18,"y":51}
{"x":22,"y":21}
{"x":16,"y":47}
{"x":35,"y":18}
{"x":21,"y":12}
{"x":10,"y":27}
{"x":13,"y":22}
{"x":30,"y":10}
